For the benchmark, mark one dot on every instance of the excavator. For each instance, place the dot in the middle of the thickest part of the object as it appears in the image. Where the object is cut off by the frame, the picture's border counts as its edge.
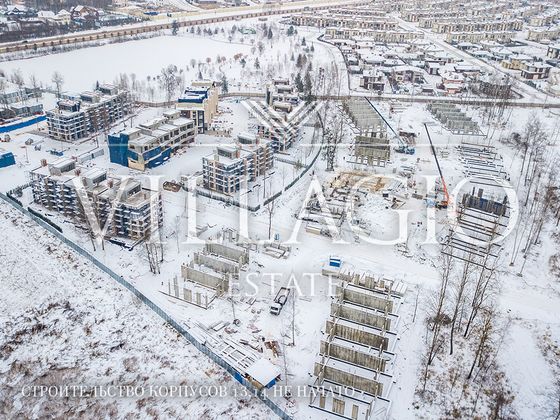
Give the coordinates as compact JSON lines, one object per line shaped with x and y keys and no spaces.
{"x":443,"y":204}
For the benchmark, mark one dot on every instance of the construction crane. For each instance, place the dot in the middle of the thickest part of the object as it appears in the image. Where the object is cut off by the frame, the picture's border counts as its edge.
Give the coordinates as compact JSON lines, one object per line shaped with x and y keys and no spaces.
{"x":444,"y":203}
{"x":403,"y":147}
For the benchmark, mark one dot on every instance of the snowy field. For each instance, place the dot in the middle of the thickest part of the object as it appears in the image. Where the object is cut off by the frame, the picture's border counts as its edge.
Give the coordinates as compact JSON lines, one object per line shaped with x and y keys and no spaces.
{"x":213,"y":55}
{"x":64,"y":321}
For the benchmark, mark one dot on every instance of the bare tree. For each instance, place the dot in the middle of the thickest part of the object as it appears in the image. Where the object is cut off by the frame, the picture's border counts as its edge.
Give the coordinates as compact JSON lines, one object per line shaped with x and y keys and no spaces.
{"x":270,"y":209}
{"x":58,"y":81}
{"x":3,"y":96}
{"x":169,"y":81}
{"x":35,"y":85}
{"x":437,"y":318}
{"x":460,"y":290}
{"x":483,"y":339}
{"x":483,"y":290}
{"x":17,"y":79}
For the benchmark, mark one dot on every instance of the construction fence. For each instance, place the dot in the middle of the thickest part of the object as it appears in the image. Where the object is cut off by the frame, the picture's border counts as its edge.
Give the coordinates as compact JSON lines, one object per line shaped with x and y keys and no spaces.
{"x":162,"y":314}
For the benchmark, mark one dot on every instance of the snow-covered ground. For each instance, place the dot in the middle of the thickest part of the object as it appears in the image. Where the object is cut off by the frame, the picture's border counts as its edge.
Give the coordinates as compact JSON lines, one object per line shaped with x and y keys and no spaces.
{"x":65,"y":323}
{"x":192,"y":53}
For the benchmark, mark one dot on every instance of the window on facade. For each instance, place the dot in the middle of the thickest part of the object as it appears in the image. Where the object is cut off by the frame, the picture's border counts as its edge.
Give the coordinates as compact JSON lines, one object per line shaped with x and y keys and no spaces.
{"x":338,"y":406}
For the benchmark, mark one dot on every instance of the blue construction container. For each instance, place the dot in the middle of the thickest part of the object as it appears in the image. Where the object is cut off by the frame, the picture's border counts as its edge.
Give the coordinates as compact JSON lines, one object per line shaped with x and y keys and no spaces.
{"x":6,"y":159}
{"x":335,"y":261}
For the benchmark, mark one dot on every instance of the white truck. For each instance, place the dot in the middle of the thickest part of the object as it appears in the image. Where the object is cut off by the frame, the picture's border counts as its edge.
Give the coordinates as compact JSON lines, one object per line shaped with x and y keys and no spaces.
{"x":280,"y":300}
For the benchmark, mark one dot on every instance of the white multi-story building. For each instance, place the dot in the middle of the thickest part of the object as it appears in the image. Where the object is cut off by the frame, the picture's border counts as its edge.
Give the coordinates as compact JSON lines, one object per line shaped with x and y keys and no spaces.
{"x":75,"y":118}
{"x":199,"y":103}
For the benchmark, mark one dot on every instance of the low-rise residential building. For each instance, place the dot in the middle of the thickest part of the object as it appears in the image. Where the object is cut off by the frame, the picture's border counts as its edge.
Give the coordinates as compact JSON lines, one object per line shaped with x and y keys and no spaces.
{"x":228,"y":166}
{"x":225,"y":169}
{"x":452,"y":82}
{"x":78,"y":117}
{"x":390,"y":36}
{"x":26,"y":110}
{"x":476,"y":25}
{"x":516,"y":62}
{"x":151,"y":143}
{"x":545,"y":18}
{"x":541,"y":34}
{"x":402,"y":74}
{"x":553,"y":51}
{"x":535,"y":71}
{"x":10,"y":93}
{"x":121,"y":205}
{"x":330,"y":19}
{"x":372,"y":80}
{"x":199,"y":103}
{"x":477,"y":37}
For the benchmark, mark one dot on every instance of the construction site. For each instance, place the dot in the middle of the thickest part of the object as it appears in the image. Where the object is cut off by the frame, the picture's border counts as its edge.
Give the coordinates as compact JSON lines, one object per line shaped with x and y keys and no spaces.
{"x":353,"y":369}
{"x":316,"y":251}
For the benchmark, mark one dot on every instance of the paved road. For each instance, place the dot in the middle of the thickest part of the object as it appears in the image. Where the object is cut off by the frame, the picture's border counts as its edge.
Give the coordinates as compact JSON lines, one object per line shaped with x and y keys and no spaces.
{"x":517,"y":103}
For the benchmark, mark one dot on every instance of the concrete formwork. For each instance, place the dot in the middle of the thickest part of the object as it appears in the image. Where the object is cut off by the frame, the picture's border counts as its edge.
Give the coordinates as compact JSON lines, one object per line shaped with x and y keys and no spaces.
{"x":372,"y":143}
{"x":216,"y":282}
{"x":354,"y":353}
{"x":360,"y":315}
{"x":352,"y":376}
{"x":368,"y":298}
{"x":231,"y":252}
{"x":369,"y":281}
{"x":190,"y":292}
{"x":358,"y":333}
{"x":216,"y":263}
{"x":453,"y":118}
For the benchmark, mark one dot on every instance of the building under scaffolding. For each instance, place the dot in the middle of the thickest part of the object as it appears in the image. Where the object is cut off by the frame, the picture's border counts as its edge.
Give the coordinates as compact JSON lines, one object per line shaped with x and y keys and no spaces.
{"x":354,"y":365}
{"x":371,"y":144}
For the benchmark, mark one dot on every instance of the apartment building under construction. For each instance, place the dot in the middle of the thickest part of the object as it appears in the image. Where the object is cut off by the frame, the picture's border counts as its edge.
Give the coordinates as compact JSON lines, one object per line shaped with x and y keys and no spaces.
{"x":77,"y":117}
{"x":123,"y":205}
{"x":228,"y":166}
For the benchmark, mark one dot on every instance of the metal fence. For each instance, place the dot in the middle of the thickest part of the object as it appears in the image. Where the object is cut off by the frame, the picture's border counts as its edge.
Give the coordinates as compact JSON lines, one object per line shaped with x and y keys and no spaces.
{"x":174,"y":324}
{"x":22,"y":124}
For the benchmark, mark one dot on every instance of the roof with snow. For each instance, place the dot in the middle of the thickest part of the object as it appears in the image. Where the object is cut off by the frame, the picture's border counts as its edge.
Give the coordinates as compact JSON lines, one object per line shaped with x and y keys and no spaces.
{"x":263,"y":371}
